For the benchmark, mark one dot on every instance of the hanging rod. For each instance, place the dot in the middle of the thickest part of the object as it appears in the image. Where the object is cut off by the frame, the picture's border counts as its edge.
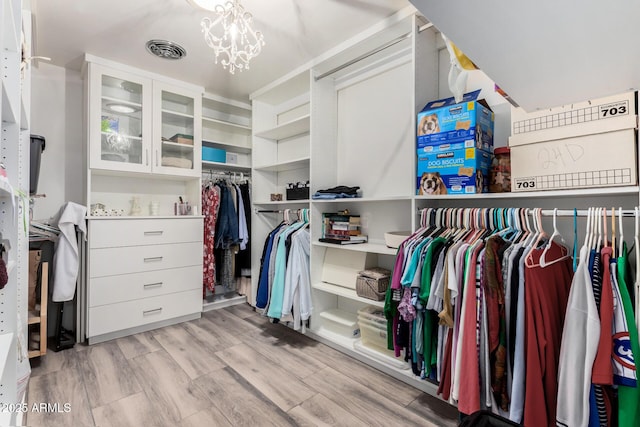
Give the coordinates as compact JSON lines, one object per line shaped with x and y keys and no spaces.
{"x":559,"y":213}
{"x":291,"y":211}
{"x":363,"y":56}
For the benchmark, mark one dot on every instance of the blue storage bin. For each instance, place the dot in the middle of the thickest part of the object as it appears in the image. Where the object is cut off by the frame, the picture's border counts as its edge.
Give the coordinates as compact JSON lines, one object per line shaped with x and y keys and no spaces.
{"x":211,"y":154}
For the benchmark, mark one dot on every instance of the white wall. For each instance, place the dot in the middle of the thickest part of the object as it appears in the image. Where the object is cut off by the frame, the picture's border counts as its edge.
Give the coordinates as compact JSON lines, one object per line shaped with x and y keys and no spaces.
{"x":56,"y":114}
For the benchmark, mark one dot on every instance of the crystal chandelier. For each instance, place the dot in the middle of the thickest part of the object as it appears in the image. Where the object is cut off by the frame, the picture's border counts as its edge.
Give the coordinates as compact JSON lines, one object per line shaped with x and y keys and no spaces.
{"x":230,"y":34}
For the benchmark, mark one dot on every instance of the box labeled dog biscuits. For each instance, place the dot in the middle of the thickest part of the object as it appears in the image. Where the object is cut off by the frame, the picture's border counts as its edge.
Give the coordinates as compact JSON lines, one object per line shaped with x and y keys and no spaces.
{"x":453,"y":172}
{"x":445,"y":125}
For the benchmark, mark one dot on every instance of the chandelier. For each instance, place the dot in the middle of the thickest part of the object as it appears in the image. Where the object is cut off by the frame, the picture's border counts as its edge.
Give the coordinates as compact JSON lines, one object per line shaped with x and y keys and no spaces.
{"x":230,"y":34}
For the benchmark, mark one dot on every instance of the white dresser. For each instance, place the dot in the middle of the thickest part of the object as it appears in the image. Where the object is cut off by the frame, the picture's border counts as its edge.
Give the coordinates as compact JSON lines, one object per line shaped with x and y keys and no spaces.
{"x":142,"y":273}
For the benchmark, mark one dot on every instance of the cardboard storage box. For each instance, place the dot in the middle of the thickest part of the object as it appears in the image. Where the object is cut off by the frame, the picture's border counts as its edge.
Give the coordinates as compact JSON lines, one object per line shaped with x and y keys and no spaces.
{"x":447,"y":125}
{"x":211,"y":154}
{"x":598,"y":160}
{"x":453,"y":172}
{"x":585,"y":118}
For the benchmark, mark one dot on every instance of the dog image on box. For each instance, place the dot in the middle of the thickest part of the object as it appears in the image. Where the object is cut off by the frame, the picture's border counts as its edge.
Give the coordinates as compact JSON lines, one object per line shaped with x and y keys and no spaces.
{"x":479,"y":181}
{"x":432,"y":183}
{"x":429,"y":125}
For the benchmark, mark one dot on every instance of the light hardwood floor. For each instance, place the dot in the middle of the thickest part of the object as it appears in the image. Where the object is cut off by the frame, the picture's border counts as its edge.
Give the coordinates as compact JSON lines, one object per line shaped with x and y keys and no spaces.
{"x":229,"y":368}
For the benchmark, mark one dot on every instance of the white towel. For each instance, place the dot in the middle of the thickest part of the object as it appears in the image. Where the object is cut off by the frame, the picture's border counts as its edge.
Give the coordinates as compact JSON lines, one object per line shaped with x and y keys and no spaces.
{"x":66,"y":259}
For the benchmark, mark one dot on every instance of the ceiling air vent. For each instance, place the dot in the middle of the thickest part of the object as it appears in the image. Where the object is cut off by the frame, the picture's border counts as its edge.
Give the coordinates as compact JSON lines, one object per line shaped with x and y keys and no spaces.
{"x":166,"y":49}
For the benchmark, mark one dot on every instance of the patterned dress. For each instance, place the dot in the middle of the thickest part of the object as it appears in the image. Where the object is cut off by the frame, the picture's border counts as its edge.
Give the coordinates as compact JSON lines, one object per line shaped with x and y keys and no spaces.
{"x":210,"y":206}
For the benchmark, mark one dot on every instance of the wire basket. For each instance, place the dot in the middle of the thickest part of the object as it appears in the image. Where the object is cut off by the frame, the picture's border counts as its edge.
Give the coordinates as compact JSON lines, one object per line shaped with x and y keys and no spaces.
{"x":373,"y":283}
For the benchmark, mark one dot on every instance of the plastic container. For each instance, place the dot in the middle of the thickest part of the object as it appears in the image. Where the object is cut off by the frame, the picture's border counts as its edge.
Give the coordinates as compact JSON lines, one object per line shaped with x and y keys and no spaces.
{"x":500,"y":173}
{"x":37,"y":147}
{"x":341,"y":322}
{"x":211,"y":154}
{"x":374,"y":338}
{"x":373,"y":315}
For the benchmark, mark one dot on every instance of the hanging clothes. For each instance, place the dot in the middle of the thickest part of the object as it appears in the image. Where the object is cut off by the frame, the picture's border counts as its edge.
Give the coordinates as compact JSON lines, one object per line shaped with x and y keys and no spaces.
{"x":284,"y":285}
{"x":210,"y":206}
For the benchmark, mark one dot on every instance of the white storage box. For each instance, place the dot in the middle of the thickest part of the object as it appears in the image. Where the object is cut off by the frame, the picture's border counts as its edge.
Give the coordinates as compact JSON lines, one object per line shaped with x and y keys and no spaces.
{"x":341,"y":267}
{"x":599,"y":160}
{"x":579,"y":119}
{"x":340,"y":322}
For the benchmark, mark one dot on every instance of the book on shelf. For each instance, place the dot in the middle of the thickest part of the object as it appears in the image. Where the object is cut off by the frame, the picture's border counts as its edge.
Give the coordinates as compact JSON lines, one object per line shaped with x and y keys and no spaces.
{"x":340,"y":225}
{"x":348,"y":240}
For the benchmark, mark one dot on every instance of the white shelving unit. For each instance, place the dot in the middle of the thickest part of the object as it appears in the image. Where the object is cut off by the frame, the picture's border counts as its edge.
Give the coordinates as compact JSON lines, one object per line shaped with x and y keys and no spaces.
{"x":361,"y":117}
{"x":15,"y":149}
{"x":226,"y":125}
{"x":284,"y":166}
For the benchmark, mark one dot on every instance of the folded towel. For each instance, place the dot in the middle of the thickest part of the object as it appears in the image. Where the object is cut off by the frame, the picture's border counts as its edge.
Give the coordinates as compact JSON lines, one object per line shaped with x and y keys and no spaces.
{"x":177,"y":162}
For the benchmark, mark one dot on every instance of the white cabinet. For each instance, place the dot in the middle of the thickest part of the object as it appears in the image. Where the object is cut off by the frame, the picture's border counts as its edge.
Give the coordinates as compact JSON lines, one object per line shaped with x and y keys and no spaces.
{"x":137,"y":124}
{"x":177,"y":130}
{"x":142,"y":272}
{"x":144,"y":262}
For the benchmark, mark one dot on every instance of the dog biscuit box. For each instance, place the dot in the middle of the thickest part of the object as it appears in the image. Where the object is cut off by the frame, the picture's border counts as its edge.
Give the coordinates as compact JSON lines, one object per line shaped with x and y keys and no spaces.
{"x":445,"y":125}
{"x":453,"y":172}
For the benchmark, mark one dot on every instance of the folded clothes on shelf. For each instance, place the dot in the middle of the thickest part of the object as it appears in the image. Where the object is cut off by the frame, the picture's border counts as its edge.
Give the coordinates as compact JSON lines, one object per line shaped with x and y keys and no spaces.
{"x":338,"y":192}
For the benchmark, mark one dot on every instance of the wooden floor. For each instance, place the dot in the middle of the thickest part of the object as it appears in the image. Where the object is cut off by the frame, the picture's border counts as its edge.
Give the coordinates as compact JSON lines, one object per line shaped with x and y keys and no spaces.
{"x":229,"y":368}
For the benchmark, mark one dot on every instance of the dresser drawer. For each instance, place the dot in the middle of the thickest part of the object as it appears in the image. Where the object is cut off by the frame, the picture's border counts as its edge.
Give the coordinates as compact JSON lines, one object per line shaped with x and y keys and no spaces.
{"x":129,"y":314}
{"x":137,"y":259}
{"x":127,"y":287}
{"x":113,"y":233}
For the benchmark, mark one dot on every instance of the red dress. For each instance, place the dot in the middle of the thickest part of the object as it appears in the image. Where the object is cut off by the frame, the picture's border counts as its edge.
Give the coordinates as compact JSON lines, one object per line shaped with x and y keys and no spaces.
{"x":210,"y":205}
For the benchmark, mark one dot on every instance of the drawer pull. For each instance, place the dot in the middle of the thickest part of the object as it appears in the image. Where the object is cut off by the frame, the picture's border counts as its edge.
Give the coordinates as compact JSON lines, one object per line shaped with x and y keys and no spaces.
{"x":152,"y":285}
{"x":154,"y":311}
{"x":153,"y":233}
{"x":153,"y":259}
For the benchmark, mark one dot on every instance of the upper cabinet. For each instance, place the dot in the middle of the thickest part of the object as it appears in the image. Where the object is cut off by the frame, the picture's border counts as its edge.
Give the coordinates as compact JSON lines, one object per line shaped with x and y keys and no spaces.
{"x":120,"y":120}
{"x":546,"y":53}
{"x":177,"y":130}
{"x":137,"y":124}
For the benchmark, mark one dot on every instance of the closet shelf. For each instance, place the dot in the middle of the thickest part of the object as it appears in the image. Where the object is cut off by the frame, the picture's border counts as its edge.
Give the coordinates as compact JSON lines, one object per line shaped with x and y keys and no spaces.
{"x":211,"y":122}
{"x":223,"y":301}
{"x":582,"y":192}
{"x":224,"y":166}
{"x":131,"y":137}
{"x":146,"y":217}
{"x":284,"y":202}
{"x":288,"y":129}
{"x":227,"y":146}
{"x":177,"y":114}
{"x":364,"y":199}
{"x":122,"y":102}
{"x":374,"y":248}
{"x":175,"y":146}
{"x":345,"y":293}
{"x":285,"y":166}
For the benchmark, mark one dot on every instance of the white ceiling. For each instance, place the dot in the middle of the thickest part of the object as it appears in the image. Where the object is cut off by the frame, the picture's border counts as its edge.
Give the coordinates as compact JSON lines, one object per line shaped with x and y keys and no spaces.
{"x":295,"y":32}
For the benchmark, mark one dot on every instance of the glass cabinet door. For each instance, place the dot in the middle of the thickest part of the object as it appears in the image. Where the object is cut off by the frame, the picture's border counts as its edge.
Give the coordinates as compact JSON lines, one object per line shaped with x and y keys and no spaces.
{"x":124,"y":122}
{"x":179,"y":139}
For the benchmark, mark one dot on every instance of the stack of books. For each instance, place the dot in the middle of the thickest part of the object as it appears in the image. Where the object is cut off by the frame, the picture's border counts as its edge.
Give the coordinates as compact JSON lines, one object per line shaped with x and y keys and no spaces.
{"x":341,"y":229}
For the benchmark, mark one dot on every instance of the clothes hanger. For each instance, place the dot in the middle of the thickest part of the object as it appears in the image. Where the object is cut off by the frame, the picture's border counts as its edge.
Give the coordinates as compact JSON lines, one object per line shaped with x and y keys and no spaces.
{"x":636,"y":243}
{"x":613,"y":232}
{"x":621,"y":232}
{"x":555,"y":234}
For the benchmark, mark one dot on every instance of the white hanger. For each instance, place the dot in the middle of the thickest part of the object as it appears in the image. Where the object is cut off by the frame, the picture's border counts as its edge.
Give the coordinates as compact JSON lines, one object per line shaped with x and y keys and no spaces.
{"x":636,"y":242}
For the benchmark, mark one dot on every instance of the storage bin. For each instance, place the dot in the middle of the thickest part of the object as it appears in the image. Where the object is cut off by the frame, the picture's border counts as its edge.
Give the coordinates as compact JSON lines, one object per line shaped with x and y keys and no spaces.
{"x":373,"y":283}
{"x":341,"y":322}
{"x":300,"y":193}
{"x":373,"y":315}
{"x":374,"y":338}
{"x":211,"y":154}
{"x":37,"y":147}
